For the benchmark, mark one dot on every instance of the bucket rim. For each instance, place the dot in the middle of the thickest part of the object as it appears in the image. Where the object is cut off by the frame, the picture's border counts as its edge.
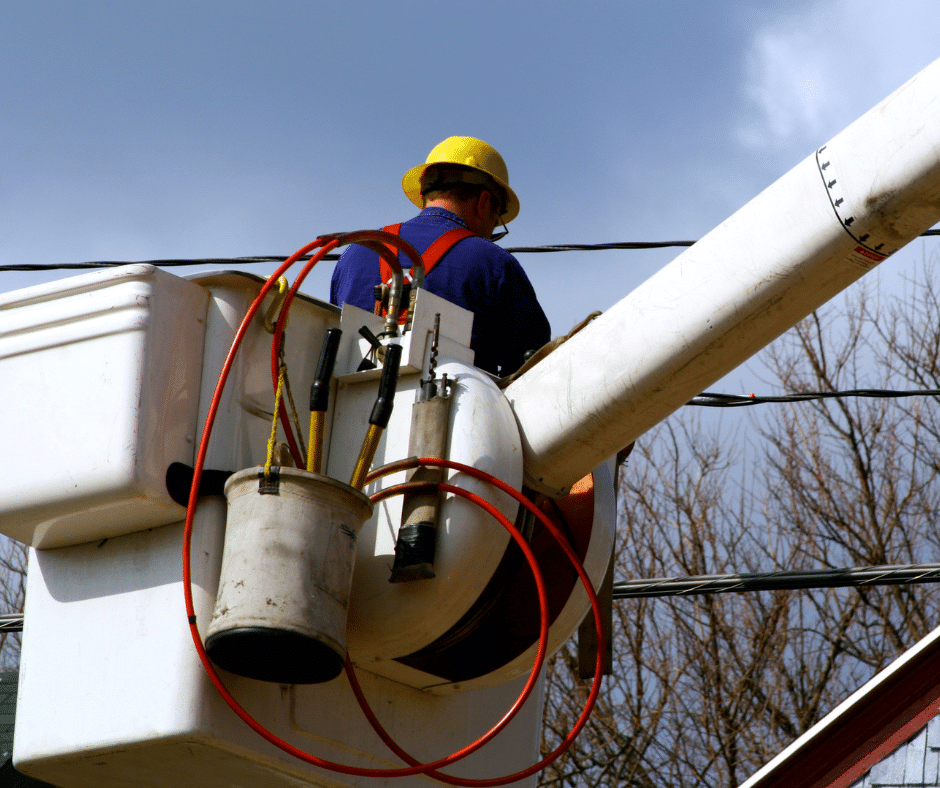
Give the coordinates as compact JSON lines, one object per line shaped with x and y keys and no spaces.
{"x":299,"y":482}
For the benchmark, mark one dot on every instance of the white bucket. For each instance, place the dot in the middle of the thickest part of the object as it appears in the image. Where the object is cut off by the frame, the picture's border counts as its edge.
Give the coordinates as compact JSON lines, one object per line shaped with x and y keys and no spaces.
{"x":280,"y":614}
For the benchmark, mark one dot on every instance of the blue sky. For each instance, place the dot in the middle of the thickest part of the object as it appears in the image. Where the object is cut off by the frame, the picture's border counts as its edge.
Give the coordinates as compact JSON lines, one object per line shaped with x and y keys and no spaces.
{"x":135,"y":131}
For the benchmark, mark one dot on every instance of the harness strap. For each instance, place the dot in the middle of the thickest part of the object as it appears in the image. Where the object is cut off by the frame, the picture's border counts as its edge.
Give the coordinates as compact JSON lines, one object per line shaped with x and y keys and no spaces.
{"x":443,"y":245}
{"x":435,"y":252}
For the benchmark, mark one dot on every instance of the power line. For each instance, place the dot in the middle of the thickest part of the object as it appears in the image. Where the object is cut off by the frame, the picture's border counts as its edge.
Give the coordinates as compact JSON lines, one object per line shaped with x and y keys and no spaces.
{"x":710,"y":399}
{"x":622,"y":245}
{"x":629,"y":245}
{"x":778,"y":581}
{"x":160,"y":263}
{"x":892,"y":575}
{"x":11,"y":622}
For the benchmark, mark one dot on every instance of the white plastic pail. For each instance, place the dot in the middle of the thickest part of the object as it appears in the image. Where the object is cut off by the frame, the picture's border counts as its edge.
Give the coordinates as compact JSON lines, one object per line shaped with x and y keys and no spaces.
{"x":280,"y":613}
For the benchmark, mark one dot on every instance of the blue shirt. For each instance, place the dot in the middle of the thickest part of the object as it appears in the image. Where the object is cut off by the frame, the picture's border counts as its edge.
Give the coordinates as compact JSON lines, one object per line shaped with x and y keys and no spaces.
{"x":475,"y":274}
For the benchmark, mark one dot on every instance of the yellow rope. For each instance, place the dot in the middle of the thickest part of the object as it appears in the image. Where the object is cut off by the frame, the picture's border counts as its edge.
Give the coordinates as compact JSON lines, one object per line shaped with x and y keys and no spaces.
{"x":283,"y":379}
{"x":272,"y":441}
{"x":298,"y":432}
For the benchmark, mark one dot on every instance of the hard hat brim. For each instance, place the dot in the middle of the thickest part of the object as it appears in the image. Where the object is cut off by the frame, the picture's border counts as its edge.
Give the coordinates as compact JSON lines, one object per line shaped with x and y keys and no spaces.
{"x":411,"y":184}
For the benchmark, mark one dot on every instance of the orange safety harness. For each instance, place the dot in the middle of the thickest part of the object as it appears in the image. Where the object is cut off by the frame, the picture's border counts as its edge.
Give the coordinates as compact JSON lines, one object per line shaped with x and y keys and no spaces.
{"x":431,"y":257}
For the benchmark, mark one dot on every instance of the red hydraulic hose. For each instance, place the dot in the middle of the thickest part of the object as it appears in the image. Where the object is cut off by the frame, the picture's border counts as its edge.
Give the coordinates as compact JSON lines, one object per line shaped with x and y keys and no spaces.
{"x":412,"y":462}
{"x":187,"y":543}
{"x":373,"y":239}
{"x":415,"y":767}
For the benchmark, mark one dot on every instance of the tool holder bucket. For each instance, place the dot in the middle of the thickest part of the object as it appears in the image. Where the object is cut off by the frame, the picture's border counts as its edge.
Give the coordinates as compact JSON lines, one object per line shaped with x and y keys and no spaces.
{"x":290,"y":547}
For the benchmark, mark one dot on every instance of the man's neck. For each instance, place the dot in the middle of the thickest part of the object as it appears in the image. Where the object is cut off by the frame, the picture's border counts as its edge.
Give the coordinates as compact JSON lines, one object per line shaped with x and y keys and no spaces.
{"x":464,"y":210}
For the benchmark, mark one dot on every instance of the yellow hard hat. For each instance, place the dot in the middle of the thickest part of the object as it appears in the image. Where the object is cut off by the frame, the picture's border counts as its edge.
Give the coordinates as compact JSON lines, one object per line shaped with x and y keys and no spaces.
{"x":468,"y":152}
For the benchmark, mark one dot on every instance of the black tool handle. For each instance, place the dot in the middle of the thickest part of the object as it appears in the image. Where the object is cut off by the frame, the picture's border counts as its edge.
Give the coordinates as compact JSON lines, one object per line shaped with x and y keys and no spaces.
{"x":320,"y":390}
{"x":382,"y":409}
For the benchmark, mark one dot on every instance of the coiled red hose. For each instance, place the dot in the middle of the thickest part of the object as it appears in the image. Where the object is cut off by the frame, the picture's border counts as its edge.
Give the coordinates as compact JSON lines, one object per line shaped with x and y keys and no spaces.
{"x":415,"y":767}
{"x":375,"y":240}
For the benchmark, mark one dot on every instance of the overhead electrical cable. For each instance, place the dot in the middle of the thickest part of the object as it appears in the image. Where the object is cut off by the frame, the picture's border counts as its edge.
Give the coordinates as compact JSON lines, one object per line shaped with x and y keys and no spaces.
{"x":710,"y":399}
{"x":622,"y":245}
{"x":779,"y":581}
{"x":787,"y":580}
{"x":629,"y":245}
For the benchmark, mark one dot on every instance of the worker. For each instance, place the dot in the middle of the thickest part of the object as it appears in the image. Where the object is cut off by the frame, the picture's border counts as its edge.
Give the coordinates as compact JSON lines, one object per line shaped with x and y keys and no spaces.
{"x":463,"y":183}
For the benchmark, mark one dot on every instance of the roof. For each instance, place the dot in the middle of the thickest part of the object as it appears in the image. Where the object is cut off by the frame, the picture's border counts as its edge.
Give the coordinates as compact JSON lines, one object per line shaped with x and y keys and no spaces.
{"x":914,"y":763}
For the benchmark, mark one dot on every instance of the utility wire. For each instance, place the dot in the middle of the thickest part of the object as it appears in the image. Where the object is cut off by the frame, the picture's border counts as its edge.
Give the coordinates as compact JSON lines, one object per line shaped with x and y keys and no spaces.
{"x":11,"y":622}
{"x":159,"y":263}
{"x":277,"y":259}
{"x":710,"y":399}
{"x":778,"y":581}
{"x":629,"y":245}
{"x":723,"y":584}
{"x":599,"y":247}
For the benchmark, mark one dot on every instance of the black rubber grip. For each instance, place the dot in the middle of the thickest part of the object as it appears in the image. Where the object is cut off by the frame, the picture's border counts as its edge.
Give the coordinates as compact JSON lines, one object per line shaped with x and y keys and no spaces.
{"x":382,"y":409}
{"x":320,"y":390}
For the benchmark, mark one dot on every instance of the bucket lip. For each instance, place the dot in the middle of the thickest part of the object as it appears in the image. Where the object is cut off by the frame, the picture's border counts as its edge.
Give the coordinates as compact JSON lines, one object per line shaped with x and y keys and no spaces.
{"x":244,"y":624}
{"x":299,"y":475}
{"x":255,"y":651}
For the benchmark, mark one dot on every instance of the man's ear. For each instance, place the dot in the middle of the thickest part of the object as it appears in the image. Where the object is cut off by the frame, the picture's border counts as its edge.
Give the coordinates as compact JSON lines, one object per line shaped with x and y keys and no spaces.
{"x":484,"y":204}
